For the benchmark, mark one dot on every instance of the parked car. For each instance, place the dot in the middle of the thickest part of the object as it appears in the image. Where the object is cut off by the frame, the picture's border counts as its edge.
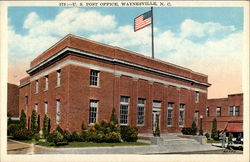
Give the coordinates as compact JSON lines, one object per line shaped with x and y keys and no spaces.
{"x":235,"y":145}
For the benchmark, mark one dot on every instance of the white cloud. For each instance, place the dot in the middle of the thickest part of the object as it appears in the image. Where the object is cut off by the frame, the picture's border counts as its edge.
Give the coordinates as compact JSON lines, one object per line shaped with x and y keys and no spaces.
{"x":193,"y":28}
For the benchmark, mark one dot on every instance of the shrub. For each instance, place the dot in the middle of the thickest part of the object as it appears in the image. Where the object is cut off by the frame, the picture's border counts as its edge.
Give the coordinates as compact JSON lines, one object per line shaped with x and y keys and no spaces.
{"x":59,"y":129}
{"x":23,"y":119}
{"x":55,"y":137}
{"x":38,"y":124}
{"x":23,"y":134}
{"x":95,"y":136}
{"x":129,"y":134}
{"x":34,"y":125}
{"x":45,"y":126}
{"x":84,"y":135}
{"x":194,"y":128}
{"x":214,"y":133}
{"x":76,"y":136}
{"x":113,"y":117}
{"x":114,"y":127}
{"x":67,"y":136}
{"x":36,"y":136}
{"x":207,"y":135}
{"x":187,"y":131}
{"x":12,"y":128}
{"x":84,"y":126}
{"x":112,"y":137}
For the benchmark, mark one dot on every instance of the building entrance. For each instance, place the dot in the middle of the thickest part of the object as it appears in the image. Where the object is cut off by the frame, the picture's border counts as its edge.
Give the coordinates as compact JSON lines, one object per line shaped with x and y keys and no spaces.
{"x":155,"y":120}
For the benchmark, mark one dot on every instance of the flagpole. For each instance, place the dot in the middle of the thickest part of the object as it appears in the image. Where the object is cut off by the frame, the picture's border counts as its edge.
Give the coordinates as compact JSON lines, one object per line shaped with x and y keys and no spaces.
{"x":152,"y":31}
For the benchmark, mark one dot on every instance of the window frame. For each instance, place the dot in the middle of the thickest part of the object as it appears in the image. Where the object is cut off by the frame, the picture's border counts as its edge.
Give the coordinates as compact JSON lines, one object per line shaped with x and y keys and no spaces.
{"x":171,"y":108}
{"x":58,"y":111}
{"x":36,"y":86}
{"x":207,"y":112}
{"x":45,"y":107}
{"x":182,"y":109}
{"x":197,"y":96}
{"x":141,"y":111}
{"x":94,"y":78}
{"x":96,"y":103}
{"x":58,"y":78}
{"x":124,"y":104}
{"x":218,"y":108}
{"x":46,"y":83}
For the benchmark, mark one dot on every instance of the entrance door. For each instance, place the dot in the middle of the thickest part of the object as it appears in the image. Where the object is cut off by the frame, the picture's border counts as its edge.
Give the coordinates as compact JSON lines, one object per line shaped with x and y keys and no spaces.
{"x":155,"y":120}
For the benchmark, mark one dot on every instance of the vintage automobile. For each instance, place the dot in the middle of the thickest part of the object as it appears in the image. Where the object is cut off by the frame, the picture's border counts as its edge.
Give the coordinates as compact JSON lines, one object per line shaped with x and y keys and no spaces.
{"x":235,"y":145}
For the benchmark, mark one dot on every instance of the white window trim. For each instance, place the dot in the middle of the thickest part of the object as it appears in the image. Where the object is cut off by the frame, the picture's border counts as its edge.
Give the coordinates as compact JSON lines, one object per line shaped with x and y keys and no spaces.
{"x":98,"y":78}
{"x":58,"y":111}
{"x":36,"y":86}
{"x":58,"y":78}
{"x":46,"y":107}
{"x":97,"y":108}
{"x":36,"y":108}
{"x":144,"y":106}
{"x":46,"y":83}
{"x":218,"y":108}
{"x":170,"y":108}
{"x":197,"y":96}
{"x":127,"y":104}
{"x":182,"y":109}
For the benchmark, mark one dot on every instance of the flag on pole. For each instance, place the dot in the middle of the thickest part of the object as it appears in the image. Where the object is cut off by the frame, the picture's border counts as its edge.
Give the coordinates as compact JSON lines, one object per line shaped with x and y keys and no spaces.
{"x":143,"y":20}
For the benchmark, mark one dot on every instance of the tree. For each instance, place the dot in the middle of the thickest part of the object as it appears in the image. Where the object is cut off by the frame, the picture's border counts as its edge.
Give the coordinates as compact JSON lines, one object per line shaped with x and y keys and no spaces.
{"x":45,"y":126}
{"x":23,"y":119}
{"x":38,"y":124}
{"x":113,"y":117}
{"x":214,"y":133}
{"x":34,"y":125}
{"x":194,"y":128}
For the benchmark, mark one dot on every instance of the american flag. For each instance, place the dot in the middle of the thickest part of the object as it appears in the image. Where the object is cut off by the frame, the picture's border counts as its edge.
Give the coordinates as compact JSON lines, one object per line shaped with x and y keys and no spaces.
{"x":143,"y":20}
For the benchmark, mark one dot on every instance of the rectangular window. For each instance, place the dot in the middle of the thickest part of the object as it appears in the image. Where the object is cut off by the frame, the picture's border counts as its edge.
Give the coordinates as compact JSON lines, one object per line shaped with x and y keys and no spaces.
{"x":45,"y":107}
{"x":58,"y":80}
{"x":197,"y":95}
{"x":46,"y":82}
{"x":37,"y":86}
{"x":36,"y":107}
{"x":94,"y":78}
{"x":140,"y":111}
{"x":207,"y":112}
{"x":181,"y":114}
{"x":218,"y":111}
{"x":58,"y":113}
{"x":124,"y":103}
{"x":231,"y":111}
{"x":170,"y":113}
{"x":237,"y":111}
{"x":93,"y":106}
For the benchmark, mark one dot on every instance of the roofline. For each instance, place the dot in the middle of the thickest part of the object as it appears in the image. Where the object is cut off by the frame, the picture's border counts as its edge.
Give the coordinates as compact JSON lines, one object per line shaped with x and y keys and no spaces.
{"x":112,"y":61}
{"x":119,"y":48}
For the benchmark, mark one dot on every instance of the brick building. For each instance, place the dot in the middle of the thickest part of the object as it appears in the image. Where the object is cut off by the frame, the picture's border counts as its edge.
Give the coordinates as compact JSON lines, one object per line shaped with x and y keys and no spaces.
{"x":228,"y":113}
{"x":79,"y":80}
{"x":13,"y":101}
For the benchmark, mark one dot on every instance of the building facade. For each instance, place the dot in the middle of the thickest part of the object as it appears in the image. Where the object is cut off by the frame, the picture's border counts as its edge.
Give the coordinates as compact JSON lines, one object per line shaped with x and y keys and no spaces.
{"x":228,"y":113}
{"x":79,"y":80}
{"x":13,"y":101}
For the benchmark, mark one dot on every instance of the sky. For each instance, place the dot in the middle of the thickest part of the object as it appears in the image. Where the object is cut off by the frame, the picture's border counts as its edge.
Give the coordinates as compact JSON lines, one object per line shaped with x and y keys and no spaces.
{"x":208,"y":40}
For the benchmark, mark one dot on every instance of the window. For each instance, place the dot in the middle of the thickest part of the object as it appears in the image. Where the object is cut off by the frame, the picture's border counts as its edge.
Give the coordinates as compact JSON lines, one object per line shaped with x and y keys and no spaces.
{"x":36,"y":107}
{"x":58,"y":80}
{"x":237,"y":111}
{"x":46,"y":82}
{"x":197,"y":95}
{"x":234,"y":111}
{"x":140,"y":111}
{"x":93,"y":111}
{"x":124,"y":103}
{"x":45,"y":107}
{"x":170,"y":113}
{"x":231,"y":111}
{"x":58,"y":113}
{"x":94,"y":75}
{"x":181,"y":114}
{"x":207,"y":112}
{"x":218,"y":111}
{"x":37,"y":86}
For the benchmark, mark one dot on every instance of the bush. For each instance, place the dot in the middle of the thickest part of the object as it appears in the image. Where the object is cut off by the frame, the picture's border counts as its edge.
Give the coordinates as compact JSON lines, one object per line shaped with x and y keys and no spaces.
{"x":34,"y":125}
{"x":84,"y":135}
{"x":129,"y":134}
{"x":76,"y":136}
{"x":23,"y":134}
{"x":12,"y":128}
{"x":187,"y":131}
{"x":55,"y":137}
{"x":207,"y":135}
{"x":36,"y":136}
{"x":112,"y":137}
{"x":45,"y":126}
{"x":230,"y":137}
{"x":23,"y":119}
{"x":59,"y":129}
{"x":67,"y":136}
{"x":95,"y":136}
{"x":214,"y":133}
{"x":194,"y":128}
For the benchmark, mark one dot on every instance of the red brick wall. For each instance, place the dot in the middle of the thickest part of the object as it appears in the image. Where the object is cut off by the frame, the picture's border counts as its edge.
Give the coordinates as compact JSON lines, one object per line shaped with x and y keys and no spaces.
{"x":13,"y":101}
{"x":224,"y":103}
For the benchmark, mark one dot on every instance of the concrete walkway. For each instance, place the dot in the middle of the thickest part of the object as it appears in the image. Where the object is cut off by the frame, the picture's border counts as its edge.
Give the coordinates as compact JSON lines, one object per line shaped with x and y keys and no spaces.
{"x":172,"y":144}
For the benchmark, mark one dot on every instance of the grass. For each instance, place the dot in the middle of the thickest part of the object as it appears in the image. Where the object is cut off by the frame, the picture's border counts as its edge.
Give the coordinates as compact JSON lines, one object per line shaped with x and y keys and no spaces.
{"x":91,"y":144}
{"x":212,"y":141}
